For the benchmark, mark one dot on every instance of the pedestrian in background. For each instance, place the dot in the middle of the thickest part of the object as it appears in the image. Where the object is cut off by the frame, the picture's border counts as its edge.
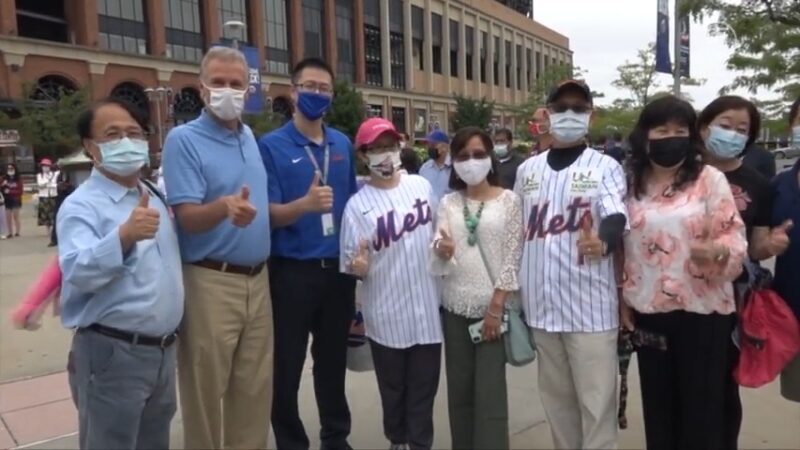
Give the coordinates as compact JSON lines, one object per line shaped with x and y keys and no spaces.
{"x":388,"y":226}
{"x":438,"y":167}
{"x":685,"y":246}
{"x":614,"y":147}
{"x":311,"y":177}
{"x":64,"y":187}
{"x":409,"y":160}
{"x":121,"y":291}
{"x":509,"y":160}
{"x":218,"y":189}
{"x":12,"y":189}
{"x":539,"y":127}
{"x":477,"y":251}
{"x":47,"y":185}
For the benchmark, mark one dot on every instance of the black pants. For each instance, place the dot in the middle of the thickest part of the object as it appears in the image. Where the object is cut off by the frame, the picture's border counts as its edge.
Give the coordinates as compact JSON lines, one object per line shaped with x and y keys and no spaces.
{"x":53,"y":232}
{"x":308,"y":298}
{"x":408,"y":380}
{"x":685,"y":388}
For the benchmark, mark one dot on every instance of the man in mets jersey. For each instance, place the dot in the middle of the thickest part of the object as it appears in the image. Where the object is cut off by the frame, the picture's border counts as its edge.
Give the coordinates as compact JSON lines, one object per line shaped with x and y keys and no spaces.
{"x":568,"y":288}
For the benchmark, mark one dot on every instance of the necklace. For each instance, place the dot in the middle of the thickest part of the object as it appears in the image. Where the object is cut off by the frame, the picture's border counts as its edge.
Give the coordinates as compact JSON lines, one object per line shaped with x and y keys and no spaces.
{"x":471,"y":222}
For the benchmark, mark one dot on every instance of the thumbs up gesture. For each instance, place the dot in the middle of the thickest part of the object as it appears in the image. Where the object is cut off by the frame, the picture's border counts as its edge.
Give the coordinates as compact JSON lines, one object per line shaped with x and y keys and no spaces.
{"x":142,"y":223}
{"x":444,"y":246}
{"x":359,"y":265}
{"x":240,"y":210}
{"x":703,"y":251}
{"x":779,"y":238}
{"x":589,"y":243}
{"x":319,"y":197}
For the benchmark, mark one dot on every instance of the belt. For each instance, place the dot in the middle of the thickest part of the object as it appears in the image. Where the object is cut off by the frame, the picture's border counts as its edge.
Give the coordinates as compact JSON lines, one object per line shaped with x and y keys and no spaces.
{"x":231,"y":268}
{"x":325,"y":263}
{"x":134,"y":338}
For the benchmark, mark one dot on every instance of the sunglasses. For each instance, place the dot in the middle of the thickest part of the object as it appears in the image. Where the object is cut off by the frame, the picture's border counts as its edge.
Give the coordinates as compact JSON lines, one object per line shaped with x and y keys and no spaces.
{"x":466,"y":156}
{"x":560,"y":107}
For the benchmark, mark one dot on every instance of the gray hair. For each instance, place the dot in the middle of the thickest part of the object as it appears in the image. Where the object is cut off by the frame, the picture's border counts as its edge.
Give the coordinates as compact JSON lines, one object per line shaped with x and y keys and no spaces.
{"x":226,"y":54}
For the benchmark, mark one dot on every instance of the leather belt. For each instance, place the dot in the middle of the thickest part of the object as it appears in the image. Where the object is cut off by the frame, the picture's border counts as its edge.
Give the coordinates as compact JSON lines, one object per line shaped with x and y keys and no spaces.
{"x":231,"y":268}
{"x":134,"y":338}
{"x":325,"y":263}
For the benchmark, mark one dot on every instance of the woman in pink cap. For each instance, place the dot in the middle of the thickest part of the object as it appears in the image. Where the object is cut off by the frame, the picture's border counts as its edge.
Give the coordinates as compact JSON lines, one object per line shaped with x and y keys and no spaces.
{"x":47,"y":182}
{"x":386,"y":235}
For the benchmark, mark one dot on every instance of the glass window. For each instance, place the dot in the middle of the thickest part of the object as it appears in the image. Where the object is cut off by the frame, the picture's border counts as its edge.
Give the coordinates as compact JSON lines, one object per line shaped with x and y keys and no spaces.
{"x":538,"y":65}
{"x":122,"y":26}
{"x":183,"y":32}
{"x":436,"y":25}
{"x":398,"y":58}
{"x":469,"y":36}
{"x":454,"y":42}
{"x":399,"y":119}
{"x":508,"y":63}
{"x":276,"y":24}
{"x":529,"y":58}
{"x":484,"y":46}
{"x":345,"y":66}
{"x":372,"y":13}
{"x":42,"y":20}
{"x":418,"y":36}
{"x":372,"y":55}
{"x":496,"y":64}
{"x":312,"y":24}
{"x":519,"y":66}
{"x":233,"y":10}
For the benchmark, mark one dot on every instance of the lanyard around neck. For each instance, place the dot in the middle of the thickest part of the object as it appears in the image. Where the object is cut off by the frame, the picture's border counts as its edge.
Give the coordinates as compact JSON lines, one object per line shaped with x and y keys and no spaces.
{"x":323,"y":173}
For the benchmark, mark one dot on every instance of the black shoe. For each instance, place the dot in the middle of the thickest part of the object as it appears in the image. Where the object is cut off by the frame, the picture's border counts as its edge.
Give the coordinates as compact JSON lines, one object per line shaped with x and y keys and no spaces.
{"x":52,"y":244}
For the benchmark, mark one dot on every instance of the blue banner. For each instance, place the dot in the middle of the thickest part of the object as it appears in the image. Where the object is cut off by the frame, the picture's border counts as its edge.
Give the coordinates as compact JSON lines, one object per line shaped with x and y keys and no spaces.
{"x":684,"y":25}
{"x":663,"y":62}
{"x":255,"y":99}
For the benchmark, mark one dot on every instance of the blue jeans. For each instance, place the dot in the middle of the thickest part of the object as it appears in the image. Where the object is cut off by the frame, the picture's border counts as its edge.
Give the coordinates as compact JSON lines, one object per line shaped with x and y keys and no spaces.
{"x":125,"y":393}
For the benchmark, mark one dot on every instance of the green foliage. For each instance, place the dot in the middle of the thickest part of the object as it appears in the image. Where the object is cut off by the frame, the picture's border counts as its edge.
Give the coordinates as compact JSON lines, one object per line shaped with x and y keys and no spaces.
{"x":638,"y":76}
{"x":263,"y":123}
{"x":471,"y":112}
{"x":49,"y":127}
{"x":348,"y":110}
{"x":616,"y":118}
{"x":765,"y":37}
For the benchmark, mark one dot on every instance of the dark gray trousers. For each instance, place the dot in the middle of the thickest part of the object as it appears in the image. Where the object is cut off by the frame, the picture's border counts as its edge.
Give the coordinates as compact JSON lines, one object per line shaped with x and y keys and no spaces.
{"x":125,"y":393}
{"x":408,"y":379}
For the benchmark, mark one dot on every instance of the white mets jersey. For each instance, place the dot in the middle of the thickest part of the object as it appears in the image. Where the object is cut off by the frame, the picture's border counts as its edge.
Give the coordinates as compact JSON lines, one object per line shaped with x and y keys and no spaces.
{"x":561,"y":293}
{"x":400,"y":300}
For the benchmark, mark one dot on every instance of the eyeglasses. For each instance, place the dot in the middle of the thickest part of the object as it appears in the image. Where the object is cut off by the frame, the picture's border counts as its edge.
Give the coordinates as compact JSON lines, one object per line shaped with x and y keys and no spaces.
{"x":311,"y":86}
{"x":466,"y":156}
{"x":114,"y":136}
{"x":560,"y":107}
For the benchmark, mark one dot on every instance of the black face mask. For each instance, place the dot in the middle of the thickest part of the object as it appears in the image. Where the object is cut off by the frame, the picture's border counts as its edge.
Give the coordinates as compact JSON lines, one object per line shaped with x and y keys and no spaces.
{"x":668,"y":152}
{"x":433,"y":153}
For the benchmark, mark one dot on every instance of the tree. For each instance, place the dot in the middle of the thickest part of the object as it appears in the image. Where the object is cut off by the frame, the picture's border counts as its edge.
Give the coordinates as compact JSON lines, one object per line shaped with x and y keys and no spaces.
{"x":472,"y":112}
{"x":765,"y":37}
{"x":265,"y":122}
{"x":348,"y":109}
{"x":638,"y":76}
{"x":618,"y":118}
{"x":48,"y":127}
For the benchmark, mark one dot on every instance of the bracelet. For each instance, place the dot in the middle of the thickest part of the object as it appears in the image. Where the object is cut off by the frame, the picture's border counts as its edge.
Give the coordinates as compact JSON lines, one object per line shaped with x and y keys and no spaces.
{"x":491,"y":314}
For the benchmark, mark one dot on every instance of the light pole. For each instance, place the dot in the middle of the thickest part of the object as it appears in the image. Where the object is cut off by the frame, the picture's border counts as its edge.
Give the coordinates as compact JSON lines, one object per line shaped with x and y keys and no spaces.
{"x":160,"y":96}
{"x":235,"y":27}
{"x":676,"y":74}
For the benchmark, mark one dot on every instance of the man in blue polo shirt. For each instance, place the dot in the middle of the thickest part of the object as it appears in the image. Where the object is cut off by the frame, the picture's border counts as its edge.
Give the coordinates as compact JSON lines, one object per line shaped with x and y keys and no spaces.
{"x":311,"y":177}
{"x":438,"y":167}
{"x":218,"y":188}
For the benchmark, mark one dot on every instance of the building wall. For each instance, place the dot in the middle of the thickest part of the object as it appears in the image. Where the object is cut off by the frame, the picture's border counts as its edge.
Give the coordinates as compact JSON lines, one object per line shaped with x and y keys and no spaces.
{"x":83,"y":62}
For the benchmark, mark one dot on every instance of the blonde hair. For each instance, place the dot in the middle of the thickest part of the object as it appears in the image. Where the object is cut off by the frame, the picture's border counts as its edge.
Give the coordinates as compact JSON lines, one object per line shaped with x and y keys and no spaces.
{"x":221,"y":53}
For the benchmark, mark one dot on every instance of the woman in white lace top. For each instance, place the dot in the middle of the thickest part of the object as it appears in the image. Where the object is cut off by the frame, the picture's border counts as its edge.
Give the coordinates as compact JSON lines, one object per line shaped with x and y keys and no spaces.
{"x":477,"y":215}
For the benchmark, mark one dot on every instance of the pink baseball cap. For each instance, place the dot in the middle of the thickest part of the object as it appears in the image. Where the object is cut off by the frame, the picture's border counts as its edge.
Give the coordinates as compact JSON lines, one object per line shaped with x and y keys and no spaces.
{"x":45,"y":162}
{"x":372,"y":129}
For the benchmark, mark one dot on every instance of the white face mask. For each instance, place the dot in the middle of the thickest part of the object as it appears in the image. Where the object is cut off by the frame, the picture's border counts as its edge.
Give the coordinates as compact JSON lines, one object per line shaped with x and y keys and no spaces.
{"x":501,"y":150}
{"x":45,"y":169}
{"x":569,"y":126}
{"x":226,"y":103}
{"x":383,"y":165}
{"x":473,"y":171}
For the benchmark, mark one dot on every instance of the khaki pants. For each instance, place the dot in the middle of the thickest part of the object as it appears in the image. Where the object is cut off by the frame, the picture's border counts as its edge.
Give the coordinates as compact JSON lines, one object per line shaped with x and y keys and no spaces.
{"x":578,"y":386}
{"x":225,"y":360}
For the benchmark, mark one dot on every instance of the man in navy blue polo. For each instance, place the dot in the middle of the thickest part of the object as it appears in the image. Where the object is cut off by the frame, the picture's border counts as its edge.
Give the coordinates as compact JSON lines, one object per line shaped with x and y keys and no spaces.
{"x":311,"y":176}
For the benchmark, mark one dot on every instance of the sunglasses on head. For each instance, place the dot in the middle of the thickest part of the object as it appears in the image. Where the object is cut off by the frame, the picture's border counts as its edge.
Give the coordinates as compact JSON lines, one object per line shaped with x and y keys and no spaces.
{"x":466,"y":156}
{"x":560,"y":107}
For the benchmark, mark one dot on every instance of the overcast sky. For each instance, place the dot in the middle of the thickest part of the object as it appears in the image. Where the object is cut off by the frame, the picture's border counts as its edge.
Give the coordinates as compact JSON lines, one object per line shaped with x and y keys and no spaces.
{"x":604,"y":33}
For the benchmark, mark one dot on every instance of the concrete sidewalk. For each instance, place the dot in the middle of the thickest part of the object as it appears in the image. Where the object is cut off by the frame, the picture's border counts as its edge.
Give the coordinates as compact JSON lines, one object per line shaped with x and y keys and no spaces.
{"x":36,"y":410}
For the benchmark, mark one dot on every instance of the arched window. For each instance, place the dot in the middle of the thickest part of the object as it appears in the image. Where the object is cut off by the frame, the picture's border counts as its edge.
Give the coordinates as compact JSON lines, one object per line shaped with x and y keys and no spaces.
{"x":187,"y":105}
{"x":49,"y":88}
{"x":282,"y":105}
{"x":133,"y":94}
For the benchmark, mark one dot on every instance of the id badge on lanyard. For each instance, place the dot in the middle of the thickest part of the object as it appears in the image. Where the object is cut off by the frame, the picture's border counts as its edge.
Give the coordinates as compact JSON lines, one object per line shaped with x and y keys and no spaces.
{"x":328,"y":226}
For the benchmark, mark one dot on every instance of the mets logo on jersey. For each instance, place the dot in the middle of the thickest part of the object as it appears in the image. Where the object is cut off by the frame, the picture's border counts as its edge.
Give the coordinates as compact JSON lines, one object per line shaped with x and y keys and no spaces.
{"x":387,"y":231}
{"x":584,"y":181}
{"x":541,"y":224}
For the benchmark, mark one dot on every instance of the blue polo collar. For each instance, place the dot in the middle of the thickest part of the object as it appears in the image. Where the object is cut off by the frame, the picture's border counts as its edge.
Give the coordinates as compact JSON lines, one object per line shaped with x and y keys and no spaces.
{"x":206,"y":120}
{"x":301,"y":140}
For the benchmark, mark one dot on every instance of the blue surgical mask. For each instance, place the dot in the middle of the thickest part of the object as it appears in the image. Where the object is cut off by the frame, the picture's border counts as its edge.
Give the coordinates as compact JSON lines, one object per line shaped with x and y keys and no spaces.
{"x":796,"y":135}
{"x":501,"y":150}
{"x":313,"y":105}
{"x":124,"y":157}
{"x":725,"y":144}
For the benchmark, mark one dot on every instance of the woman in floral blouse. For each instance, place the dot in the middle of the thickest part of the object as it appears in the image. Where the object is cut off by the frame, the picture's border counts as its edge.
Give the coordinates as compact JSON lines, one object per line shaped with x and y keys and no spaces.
{"x":686,"y":246}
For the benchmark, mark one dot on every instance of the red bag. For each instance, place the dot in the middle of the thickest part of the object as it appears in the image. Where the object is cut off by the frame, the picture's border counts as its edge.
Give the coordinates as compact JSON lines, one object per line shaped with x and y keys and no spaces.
{"x":770,"y":338}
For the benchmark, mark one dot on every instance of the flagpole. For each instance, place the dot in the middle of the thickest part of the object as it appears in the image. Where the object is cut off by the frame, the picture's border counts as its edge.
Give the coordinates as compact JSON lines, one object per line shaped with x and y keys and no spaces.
{"x":676,"y":74}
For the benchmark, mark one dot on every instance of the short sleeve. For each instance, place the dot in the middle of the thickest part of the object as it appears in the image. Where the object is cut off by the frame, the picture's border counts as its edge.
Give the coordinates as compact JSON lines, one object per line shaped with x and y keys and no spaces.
{"x":183,"y":171}
{"x":612,"y":191}
{"x":273,"y":182}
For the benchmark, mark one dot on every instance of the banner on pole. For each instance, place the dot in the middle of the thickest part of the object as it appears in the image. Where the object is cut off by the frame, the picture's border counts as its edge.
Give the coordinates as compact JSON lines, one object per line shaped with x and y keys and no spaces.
{"x":254,"y":104}
{"x":684,"y":25}
{"x":663,"y":62}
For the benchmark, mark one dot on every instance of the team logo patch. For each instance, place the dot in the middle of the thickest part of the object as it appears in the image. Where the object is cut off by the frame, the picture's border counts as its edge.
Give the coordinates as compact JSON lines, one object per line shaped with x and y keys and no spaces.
{"x":531,"y":183}
{"x":584,"y":180}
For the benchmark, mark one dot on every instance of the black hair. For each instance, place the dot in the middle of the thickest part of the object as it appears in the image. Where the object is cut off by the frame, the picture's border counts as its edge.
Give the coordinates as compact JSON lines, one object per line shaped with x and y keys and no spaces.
{"x":505,"y":131}
{"x":310,"y":63}
{"x":728,"y":103}
{"x":16,"y":177}
{"x":410,"y":161}
{"x":459,"y":142}
{"x":794,"y":110}
{"x":86,"y":117}
{"x":656,"y":113}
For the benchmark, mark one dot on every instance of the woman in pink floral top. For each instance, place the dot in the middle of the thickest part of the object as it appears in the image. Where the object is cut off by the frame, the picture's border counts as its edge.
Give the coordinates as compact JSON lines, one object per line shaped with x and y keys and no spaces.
{"x":685,"y":247}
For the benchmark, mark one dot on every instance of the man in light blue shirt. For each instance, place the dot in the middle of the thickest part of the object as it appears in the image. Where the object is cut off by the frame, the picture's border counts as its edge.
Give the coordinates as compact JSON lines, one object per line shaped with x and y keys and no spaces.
{"x":122,"y":289}
{"x":438,"y":167}
{"x":217,"y":184}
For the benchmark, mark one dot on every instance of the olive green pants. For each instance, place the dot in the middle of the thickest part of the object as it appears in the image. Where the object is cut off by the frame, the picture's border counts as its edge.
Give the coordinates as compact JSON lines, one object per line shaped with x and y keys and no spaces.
{"x":476,"y":387}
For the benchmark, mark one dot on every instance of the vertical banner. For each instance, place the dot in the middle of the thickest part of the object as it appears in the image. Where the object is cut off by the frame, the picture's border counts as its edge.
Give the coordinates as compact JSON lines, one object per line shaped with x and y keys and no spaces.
{"x":255,"y":99}
{"x":663,"y":62}
{"x":684,"y":25}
